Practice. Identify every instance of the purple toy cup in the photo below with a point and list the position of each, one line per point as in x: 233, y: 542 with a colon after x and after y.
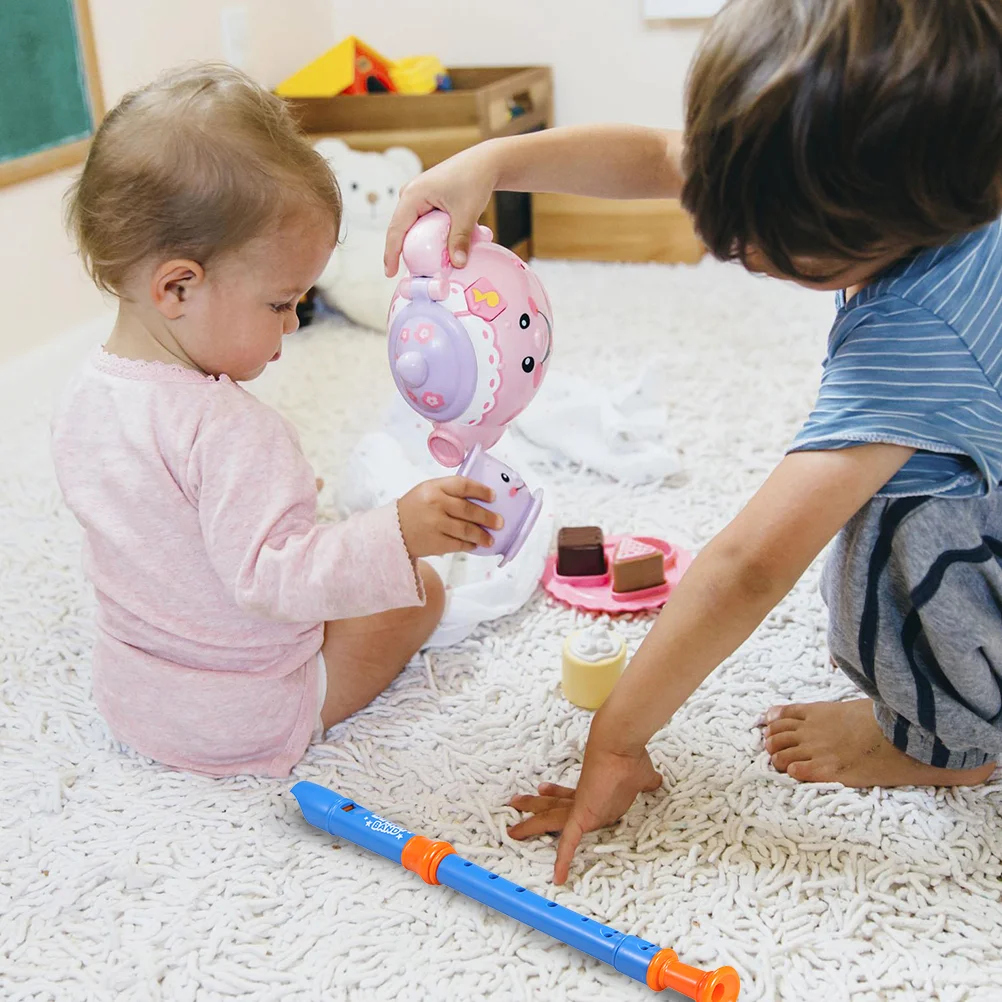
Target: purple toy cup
x: 513, y: 502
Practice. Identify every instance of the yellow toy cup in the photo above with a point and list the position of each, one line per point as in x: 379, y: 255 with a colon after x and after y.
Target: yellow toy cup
x: 593, y: 660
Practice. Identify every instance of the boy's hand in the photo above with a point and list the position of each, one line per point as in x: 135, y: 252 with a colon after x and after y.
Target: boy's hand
x: 610, y: 782
x: 461, y: 186
x: 439, y: 516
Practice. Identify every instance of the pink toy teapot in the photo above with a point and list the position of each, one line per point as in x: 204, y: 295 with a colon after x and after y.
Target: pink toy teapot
x: 468, y: 349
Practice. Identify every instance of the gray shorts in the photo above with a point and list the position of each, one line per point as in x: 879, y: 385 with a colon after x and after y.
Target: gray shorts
x: 914, y: 594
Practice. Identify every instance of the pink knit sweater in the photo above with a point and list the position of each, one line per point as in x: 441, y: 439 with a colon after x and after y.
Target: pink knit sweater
x: 213, y: 579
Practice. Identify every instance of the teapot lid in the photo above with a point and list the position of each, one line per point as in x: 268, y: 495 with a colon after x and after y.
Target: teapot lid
x: 432, y: 360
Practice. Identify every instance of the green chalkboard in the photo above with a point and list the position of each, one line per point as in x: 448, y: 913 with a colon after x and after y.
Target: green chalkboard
x: 44, y: 99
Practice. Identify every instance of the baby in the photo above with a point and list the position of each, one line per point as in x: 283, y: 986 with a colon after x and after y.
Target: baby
x: 231, y: 627
x: 849, y: 145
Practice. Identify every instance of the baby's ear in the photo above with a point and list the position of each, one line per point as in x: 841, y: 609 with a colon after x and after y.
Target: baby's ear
x: 407, y: 160
x: 332, y: 150
x: 172, y: 285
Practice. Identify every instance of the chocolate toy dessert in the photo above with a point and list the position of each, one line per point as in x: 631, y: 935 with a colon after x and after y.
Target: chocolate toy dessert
x: 581, y: 552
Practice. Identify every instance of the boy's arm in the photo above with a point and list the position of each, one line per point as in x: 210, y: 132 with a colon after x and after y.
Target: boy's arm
x: 613, y: 161
x: 743, y: 573
x: 608, y: 161
x: 730, y: 588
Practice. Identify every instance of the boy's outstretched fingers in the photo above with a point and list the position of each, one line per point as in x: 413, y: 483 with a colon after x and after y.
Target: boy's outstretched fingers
x: 546, y: 820
x: 570, y: 839
x: 553, y: 813
x: 610, y: 782
x: 550, y: 811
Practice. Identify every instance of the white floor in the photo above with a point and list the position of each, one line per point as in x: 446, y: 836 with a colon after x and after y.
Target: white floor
x: 120, y: 880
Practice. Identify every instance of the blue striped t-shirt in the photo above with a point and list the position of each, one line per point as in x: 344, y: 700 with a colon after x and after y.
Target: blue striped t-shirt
x: 916, y: 359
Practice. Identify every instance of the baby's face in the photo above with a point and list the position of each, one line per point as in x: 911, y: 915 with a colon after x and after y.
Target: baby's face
x: 248, y: 302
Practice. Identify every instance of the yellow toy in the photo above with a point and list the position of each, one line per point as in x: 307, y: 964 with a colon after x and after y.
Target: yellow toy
x: 594, y: 658
x: 418, y: 74
x: 351, y: 67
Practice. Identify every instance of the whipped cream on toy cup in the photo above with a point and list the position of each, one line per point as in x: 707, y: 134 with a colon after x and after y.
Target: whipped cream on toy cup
x: 595, y: 644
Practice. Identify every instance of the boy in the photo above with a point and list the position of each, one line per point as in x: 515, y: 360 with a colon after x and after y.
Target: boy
x: 856, y: 146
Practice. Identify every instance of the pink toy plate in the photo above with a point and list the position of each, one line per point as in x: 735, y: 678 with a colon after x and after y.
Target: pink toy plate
x: 596, y: 594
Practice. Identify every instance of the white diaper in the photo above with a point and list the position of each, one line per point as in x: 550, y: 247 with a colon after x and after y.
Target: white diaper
x: 318, y: 731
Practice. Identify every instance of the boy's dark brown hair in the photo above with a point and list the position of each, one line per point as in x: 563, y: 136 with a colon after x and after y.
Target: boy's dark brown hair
x: 194, y: 165
x: 844, y: 129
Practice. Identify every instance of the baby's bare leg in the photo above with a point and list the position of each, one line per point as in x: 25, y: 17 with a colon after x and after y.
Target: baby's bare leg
x: 365, y: 655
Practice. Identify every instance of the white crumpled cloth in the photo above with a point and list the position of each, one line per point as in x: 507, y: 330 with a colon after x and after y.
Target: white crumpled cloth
x: 622, y: 433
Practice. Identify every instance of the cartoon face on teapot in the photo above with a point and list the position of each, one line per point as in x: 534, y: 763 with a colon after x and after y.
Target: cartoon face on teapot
x: 468, y: 347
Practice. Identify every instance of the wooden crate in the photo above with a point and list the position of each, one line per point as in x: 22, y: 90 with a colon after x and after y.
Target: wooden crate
x: 482, y: 100
x: 437, y: 126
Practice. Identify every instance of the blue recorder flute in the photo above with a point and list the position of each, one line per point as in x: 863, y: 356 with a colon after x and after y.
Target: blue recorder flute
x: 436, y: 862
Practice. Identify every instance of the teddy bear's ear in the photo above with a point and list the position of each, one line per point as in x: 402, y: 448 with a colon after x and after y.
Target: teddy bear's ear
x: 332, y: 150
x: 404, y: 158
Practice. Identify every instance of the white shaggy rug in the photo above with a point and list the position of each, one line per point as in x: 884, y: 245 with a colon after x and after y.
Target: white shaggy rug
x: 121, y: 880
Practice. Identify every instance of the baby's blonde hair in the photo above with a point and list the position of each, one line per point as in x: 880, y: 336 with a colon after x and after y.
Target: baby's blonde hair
x: 194, y: 165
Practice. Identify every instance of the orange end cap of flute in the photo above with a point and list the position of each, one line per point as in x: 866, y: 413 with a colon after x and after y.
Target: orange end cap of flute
x: 667, y: 971
x: 422, y: 855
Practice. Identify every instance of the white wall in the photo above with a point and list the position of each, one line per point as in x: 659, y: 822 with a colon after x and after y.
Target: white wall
x: 610, y: 65
x: 42, y: 284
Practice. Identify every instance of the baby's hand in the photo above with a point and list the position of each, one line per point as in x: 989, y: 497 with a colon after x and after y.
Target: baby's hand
x: 439, y: 516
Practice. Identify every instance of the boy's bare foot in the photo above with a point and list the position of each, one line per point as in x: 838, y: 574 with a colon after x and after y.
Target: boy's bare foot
x: 842, y: 743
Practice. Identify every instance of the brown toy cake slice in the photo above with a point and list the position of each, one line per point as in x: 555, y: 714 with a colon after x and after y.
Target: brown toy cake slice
x: 581, y: 552
x: 637, y: 566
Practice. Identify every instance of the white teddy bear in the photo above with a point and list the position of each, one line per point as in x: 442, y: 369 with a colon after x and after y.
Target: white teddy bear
x: 353, y: 280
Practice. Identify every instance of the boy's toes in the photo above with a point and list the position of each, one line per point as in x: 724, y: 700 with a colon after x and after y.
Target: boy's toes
x: 781, y: 741
x: 785, y: 725
x: 813, y: 770
x: 782, y: 760
x: 791, y: 711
